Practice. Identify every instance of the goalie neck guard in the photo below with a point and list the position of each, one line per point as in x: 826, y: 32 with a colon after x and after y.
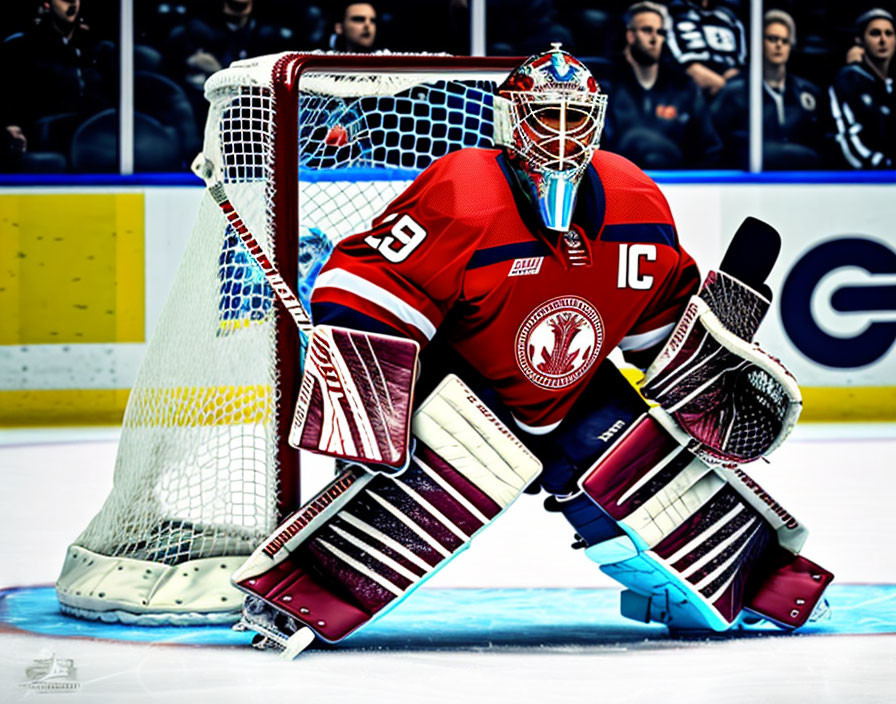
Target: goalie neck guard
x: 549, y: 114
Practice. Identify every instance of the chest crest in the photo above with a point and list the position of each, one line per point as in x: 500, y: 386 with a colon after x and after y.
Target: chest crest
x: 559, y: 341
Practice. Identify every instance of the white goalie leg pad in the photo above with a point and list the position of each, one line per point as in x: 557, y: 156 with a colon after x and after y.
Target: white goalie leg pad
x: 790, y: 533
x: 333, y: 568
x: 735, y: 399
x: 701, y: 543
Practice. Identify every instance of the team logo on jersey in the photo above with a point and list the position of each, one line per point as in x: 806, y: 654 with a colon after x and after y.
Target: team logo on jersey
x: 526, y: 266
x: 559, y: 342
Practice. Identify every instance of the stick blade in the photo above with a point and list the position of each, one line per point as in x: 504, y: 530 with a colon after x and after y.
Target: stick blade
x: 752, y: 254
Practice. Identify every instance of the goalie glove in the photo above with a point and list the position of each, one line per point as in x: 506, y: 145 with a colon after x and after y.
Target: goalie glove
x: 736, y: 400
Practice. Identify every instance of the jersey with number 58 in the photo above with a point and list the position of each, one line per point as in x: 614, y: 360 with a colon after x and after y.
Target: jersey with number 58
x: 462, y: 252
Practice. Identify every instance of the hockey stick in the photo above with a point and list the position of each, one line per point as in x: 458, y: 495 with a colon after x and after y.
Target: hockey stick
x: 206, y: 171
x: 334, y: 366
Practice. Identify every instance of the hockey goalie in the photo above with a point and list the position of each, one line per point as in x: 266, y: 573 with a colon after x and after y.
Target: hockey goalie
x: 514, y: 272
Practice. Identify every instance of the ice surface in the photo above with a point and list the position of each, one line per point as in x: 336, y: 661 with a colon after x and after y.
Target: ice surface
x: 836, y: 479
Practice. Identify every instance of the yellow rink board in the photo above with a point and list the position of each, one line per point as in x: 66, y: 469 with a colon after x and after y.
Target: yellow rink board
x: 72, y: 268
x: 106, y: 407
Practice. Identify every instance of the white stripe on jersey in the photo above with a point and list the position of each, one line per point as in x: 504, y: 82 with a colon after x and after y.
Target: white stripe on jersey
x: 645, y: 340
x: 352, y: 283
x: 842, y: 129
x: 536, y: 429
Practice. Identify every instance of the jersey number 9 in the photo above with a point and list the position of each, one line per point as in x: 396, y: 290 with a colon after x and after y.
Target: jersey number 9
x: 405, y: 236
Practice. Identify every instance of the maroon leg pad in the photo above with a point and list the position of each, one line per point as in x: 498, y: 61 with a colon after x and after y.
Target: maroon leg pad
x: 787, y: 593
x: 387, y: 537
x: 301, y: 594
x: 644, y: 446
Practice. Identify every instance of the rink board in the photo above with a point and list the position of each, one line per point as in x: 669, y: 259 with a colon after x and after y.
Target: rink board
x: 465, y: 619
x: 78, y: 310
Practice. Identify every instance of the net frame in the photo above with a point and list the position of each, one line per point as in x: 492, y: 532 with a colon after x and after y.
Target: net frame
x: 168, y: 591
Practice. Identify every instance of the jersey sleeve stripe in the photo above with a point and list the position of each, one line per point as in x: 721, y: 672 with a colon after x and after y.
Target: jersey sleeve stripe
x: 353, y: 284
x: 660, y: 233
x: 645, y: 340
x: 335, y: 306
x: 337, y: 314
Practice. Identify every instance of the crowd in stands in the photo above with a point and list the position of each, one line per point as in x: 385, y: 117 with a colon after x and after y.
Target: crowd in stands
x: 676, y: 72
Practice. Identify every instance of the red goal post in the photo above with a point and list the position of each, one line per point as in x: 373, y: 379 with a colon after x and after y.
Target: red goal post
x: 309, y: 148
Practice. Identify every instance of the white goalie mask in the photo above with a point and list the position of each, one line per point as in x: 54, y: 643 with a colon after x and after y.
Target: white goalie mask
x: 549, y: 114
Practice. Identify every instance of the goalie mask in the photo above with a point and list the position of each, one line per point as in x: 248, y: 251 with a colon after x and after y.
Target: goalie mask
x: 549, y: 114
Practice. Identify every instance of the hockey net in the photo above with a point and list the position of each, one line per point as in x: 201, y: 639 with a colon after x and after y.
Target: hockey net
x: 309, y: 148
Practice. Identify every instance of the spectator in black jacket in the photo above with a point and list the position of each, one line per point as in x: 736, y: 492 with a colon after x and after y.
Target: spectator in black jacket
x: 708, y: 40
x: 863, y: 101
x: 227, y: 32
x: 791, y: 135
x: 657, y: 116
x: 52, y: 77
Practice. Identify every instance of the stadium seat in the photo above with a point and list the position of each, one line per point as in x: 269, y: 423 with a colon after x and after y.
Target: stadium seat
x: 95, y: 145
x: 165, y: 101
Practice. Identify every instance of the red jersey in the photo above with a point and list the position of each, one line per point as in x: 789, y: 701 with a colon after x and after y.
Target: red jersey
x: 534, y: 311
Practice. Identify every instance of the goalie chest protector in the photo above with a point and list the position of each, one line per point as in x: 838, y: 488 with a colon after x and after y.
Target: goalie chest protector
x: 533, y: 311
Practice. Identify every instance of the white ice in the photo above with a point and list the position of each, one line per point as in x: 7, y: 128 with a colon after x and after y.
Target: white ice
x: 837, y: 479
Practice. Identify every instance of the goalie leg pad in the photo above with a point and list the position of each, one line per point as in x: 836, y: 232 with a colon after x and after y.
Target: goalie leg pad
x: 696, y: 550
x: 388, y: 533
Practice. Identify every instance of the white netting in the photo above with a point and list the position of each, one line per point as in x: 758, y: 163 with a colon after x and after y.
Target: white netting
x: 197, y: 473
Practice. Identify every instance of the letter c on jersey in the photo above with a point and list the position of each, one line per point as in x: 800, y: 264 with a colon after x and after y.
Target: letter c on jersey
x: 628, y: 274
x: 838, y: 303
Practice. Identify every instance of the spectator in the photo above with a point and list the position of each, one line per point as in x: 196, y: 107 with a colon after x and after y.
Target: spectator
x: 59, y: 55
x: 863, y: 103
x: 657, y: 116
x: 791, y: 136
x: 355, y: 30
x: 227, y: 32
x: 708, y: 40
